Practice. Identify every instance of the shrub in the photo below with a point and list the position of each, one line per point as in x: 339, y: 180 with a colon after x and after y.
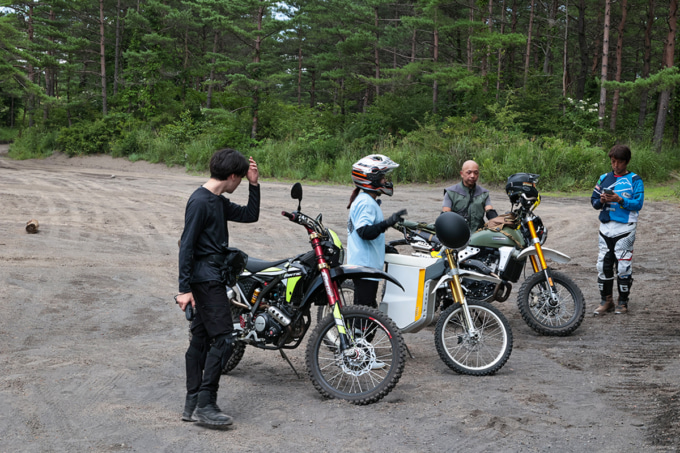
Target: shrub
x: 33, y: 143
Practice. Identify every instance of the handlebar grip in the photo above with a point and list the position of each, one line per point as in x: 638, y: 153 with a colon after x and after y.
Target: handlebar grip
x: 288, y: 214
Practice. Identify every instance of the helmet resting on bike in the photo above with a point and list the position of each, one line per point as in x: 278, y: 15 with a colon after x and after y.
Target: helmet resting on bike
x: 522, y: 184
x: 369, y: 173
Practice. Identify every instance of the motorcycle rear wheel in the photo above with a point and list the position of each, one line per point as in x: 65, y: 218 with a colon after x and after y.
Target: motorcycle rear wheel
x: 239, y: 346
x: 372, y: 372
x: 534, y: 303
x: 236, y: 311
x: 480, y: 355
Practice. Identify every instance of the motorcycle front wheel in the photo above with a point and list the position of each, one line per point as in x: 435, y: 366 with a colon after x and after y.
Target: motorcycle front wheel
x: 479, y: 353
x: 367, y: 371
x: 547, y: 316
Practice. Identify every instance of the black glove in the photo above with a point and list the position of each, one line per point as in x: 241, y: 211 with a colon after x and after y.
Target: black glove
x: 491, y: 214
x: 369, y: 232
x: 396, y: 217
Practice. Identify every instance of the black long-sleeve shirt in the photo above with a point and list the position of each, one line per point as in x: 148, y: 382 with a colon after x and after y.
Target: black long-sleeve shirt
x: 205, y: 230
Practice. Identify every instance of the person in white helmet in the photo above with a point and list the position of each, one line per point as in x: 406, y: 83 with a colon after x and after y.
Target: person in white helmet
x: 366, y: 225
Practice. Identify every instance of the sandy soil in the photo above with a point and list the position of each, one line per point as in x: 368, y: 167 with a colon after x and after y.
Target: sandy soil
x: 92, y: 344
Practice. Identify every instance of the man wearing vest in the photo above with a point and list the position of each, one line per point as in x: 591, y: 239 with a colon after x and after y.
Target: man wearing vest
x: 469, y: 199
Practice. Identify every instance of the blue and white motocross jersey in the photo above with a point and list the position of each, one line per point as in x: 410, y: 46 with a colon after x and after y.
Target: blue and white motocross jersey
x: 632, y: 191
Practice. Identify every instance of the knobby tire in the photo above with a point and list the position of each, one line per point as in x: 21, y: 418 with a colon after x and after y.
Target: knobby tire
x: 533, y: 301
x: 480, y: 356
x: 364, y: 379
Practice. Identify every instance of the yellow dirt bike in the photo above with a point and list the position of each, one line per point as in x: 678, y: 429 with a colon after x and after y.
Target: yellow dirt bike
x: 495, y: 257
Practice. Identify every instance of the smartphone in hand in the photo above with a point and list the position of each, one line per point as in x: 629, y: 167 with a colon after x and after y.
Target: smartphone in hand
x: 608, y: 191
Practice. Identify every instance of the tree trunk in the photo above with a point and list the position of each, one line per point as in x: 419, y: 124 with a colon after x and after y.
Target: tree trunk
x: 470, y: 32
x: 528, y: 53
x: 256, y: 60
x: 646, y: 64
x: 376, y: 52
x: 486, y: 63
x: 605, y: 62
x: 435, y: 58
x: 102, y: 55
x: 619, y: 63
x: 208, y: 101
x: 31, y: 72
x: 598, y: 42
x: 116, y: 53
x: 299, y: 81
x: 500, y: 55
x: 583, y: 51
x: 547, y: 55
x: 413, y: 50
x: 668, y: 55
x: 510, y: 73
x: 565, y: 67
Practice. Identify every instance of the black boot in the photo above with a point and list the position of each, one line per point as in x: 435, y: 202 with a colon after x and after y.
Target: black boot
x: 189, y: 407
x: 208, y: 413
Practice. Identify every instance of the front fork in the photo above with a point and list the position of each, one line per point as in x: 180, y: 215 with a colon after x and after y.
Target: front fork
x: 538, y: 262
x: 457, y: 290
x: 332, y: 295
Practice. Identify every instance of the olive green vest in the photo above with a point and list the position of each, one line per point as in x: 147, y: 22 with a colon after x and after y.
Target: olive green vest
x: 470, y: 207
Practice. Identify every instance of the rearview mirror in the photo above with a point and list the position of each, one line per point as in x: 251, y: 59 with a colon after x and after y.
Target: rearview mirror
x: 296, y: 191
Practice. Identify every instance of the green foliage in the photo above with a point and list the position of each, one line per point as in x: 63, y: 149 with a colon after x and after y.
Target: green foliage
x: 8, y: 134
x: 93, y: 137
x: 33, y: 143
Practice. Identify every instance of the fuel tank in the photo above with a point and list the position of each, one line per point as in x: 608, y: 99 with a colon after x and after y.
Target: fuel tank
x: 495, y: 239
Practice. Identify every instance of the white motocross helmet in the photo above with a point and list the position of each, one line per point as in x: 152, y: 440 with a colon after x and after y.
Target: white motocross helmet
x: 368, y: 173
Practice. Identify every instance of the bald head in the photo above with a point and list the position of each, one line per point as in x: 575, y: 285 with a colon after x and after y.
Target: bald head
x: 469, y: 173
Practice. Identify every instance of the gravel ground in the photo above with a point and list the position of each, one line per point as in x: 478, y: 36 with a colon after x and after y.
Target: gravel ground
x: 92, y: 345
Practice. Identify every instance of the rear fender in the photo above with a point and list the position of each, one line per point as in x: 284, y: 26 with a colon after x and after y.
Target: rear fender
x: 347, y: 272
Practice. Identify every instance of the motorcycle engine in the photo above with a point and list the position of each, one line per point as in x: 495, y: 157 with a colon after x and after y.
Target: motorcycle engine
x: 271, y: 322
x: 487, y: 259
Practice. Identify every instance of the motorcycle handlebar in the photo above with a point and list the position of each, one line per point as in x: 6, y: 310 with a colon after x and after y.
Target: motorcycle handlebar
x: 290, y: 216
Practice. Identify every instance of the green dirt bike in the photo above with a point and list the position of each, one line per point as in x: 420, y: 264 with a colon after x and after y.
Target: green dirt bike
x: 495, y: 257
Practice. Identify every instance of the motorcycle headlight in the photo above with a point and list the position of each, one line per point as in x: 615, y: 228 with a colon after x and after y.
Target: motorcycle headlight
x: 541, y: 230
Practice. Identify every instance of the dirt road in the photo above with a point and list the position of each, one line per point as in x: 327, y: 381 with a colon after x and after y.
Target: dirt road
x: 92, y: 344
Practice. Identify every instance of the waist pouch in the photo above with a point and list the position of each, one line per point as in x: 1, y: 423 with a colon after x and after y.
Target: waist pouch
x: 230, y: 263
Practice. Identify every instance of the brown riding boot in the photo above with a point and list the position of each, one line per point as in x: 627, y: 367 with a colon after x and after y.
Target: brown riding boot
x: 622, y: 308
x: 605, y: 306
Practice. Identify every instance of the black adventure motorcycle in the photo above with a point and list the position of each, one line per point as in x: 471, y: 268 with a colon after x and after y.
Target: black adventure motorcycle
x: 355, y: 353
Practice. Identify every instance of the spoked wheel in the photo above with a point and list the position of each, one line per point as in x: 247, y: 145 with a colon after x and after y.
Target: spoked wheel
x: 478, y: 353
x: 548, y: 316
x: 369, y: 369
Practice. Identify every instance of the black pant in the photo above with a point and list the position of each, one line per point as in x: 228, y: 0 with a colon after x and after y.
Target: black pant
x: 365, y: 292
x: 212, y: 322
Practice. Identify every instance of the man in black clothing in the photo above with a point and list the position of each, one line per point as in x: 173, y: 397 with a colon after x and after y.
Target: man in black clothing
x: 200, y: 280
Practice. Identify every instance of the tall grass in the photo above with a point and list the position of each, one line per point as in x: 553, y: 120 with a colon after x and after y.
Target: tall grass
x: 432, y: 153
x: 33, y: 143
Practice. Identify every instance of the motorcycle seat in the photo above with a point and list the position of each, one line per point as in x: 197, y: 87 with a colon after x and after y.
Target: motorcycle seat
x: 255, y: 265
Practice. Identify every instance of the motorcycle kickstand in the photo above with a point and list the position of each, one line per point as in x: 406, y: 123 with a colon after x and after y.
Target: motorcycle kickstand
x: 408, y: 351
x: 283, y: 354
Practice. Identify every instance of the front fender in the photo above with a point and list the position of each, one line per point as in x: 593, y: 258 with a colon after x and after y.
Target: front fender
x: 348, y: 272
x: 554, y: 255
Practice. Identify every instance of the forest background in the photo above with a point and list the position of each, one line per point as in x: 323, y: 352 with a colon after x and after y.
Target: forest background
x: 309, y: 86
